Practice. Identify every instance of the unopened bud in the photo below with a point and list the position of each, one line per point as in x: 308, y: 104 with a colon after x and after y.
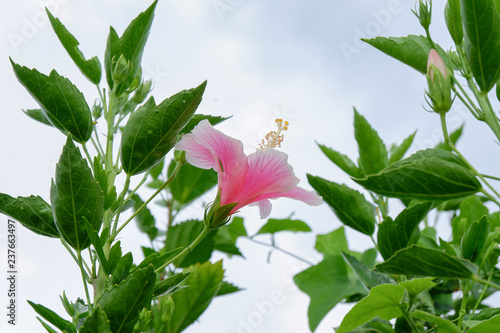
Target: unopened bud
x: 97, y: 109
x: 439, y: 83
x: 142, y: 91
x: 217, y: 215
x: 423, y: 13
x: 122, y: 69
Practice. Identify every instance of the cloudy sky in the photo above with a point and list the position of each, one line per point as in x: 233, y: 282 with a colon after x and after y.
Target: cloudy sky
x: 298, y: 60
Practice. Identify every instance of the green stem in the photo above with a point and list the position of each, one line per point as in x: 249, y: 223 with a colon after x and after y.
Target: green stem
x: 282, y: 250
x: 84, y: 279
x: 483, y: 292
x: 490, y: 177
x: 409, y: 320
x: 121, y: 199
x: 169, y: 180
x: 486, y: 282
x: 463, y: 305
x: 187, y: 249
x: 489, y: 114
x: 143, y: 180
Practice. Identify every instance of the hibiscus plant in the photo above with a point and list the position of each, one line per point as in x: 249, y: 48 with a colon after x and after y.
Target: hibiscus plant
x: 411, y: 280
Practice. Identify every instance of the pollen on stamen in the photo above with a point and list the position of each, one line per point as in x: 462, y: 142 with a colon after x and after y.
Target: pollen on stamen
x: 274, y: 139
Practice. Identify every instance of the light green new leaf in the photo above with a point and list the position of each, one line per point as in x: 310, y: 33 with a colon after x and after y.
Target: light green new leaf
x: 482, y: 41
x: 383, y: 302
x: 75, y: 195
x: 372, y: 150
x: 273, y: 226
x: 327, y: 284
x: 97, y: 322
x: 151, y: 132
x: 32, y: 212
x: 420, y: 261
x: 123, y: 302
x: 53, y: 318
x: 443, y: 325
x: 471, y: 209
x: 62, y: 103
x: 332, y: 243
x: 398, y: 152
x: 491, y: 325
x: 349, y: 205
x: 453, y: 20
x: 204, y: 282
x: 432, y: 174
x: 417, y: 286
x: 90, y: 68
x: 341, y: 160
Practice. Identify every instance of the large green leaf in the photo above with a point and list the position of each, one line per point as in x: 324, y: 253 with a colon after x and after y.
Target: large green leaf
x: 273, y: 226
x: 475, y: 238
x: 383, y: 302
x: 482, y: 40
x: 453, y: 20
x: 398, y: 151
x: 62, y: 103
x: 411, y: 50
x: 123, y: 302
x: 32, y: 212
x: 53, y: 318
x: 204, y: 282
x: 97, y: 322
x: 130, y: 44
x: 349, y: 205
x: 327, y: 284
x: 395, y: 235
x: 432, y: 174
x: 75, y: 195
x: 420, y: 261
x: 90, y: 68
x: 372, y: 150
x: 332, y: 243
x: 151, y: 132
x: 341, y: 160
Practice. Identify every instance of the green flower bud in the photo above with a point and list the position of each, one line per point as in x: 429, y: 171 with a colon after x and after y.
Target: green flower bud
x: 439, y: 83
x: 142, y: 91
x: 121, y: 70
x: 216, y: 215
x: 424, y: 13
x: 97, y: 109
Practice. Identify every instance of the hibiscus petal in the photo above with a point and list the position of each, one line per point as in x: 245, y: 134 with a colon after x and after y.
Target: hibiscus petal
x: 265, y: 207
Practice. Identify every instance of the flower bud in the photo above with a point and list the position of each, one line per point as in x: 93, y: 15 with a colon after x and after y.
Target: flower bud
x: 142, y: 91
x: 216, y: 215
x: 424, y: 13
x: 439, y: 83
x: 121, y: 70
x: 97, y: 109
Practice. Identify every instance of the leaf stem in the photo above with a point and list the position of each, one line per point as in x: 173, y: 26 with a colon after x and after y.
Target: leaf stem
x: 84, y: 279
x: 121, y: 199
x: 282, y: 250
x: 486, y: 282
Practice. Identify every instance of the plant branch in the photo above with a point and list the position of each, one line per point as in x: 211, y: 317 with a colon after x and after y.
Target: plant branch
x: 282, y: 250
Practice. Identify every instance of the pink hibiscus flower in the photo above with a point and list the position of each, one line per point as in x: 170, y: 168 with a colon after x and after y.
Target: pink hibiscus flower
x: 243, y: 180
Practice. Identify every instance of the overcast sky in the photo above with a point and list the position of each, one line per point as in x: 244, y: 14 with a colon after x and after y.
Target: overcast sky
x: 297, y: 60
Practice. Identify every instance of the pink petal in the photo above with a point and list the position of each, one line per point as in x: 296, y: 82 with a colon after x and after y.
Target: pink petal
x: 436, y: 60
x: 265, y: 207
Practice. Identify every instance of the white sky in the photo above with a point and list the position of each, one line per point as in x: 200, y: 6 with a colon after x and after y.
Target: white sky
x: 262, y: 59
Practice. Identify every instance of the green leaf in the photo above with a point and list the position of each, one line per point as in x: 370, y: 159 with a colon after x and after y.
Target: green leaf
x: 90, y: 68
x: 115, y: 255
x: 372, y: 150
x: 471, y: 209
x: 169, y: 285
x: 395, y: 235
x: 213, y: 120
x: 420, y: 261
x: 227, y: 288
x: 53, y: 318
x: 327, y: 284
x: 383, y: 302
x: 368, y: 278
x: 333, y: 243
x: 398, y: 152
x: 62, y: 103
x: 123, y: 302
x: 225, y: 239
x: 96, y: 242
x: 122, y: 268
x: 204, y: 282
x: 130, y: 44
x: 151, y: 132
x: 182, y: 235
x: 32, y: 212
x: 349, y: 205
x: 38, y: 115
x: 75, y: 195
x: 491, y: 325
x: 341, y: 160
x: 475, y: 238
x: 411, y: 50
x: 191, y: 183
x: 454, y: 136
x: 145, y: 220
x: 417, y: 286
x: 454, y: 21
x: 97, y: 322
x: 443, y: 325
x: 46, y: 326
x: 273, y: 226
x: 482, y: 41
x: 431, y: 174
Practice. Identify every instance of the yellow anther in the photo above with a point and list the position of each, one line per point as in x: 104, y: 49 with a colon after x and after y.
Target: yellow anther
x: 274, y: 139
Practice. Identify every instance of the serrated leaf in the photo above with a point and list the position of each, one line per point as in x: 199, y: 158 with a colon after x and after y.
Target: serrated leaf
x: 372, y: 150
x: 417, y: 286
x: 349, y: 205
x: 395, y: 235
x: 273, y: 226
x: 115, y: 255
x: 420, y: 261
x: 411, y: 50
x: 471, y: 209
x: 443, y: 325
x: 454, y: 136
x: 53, y: 318
x: 213, y: 120
x: 97, y: 322
x: 368, y: 278
x: 332, y: 243
x: 383, y: 302
x: 491, y: 325
x: 182, y: 235
x: 327, y: 284
x: 482, y: 41
x: 227, y: 288
x: 398, y: 152
x: 474, y: 239
x: 62, y: 103
x: 38, y: 115
x: 75, y: 195
x: 151, y: 132
x: 341, y: 160
x: 32, y: 212
x: 168, y: 285
x: 453, y: 20
x: 130, y: 44
x: 432, y: 174
x: 204, y: 282
x: 123, y: 302
x: 90, y: 68
x: 145, y: 220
